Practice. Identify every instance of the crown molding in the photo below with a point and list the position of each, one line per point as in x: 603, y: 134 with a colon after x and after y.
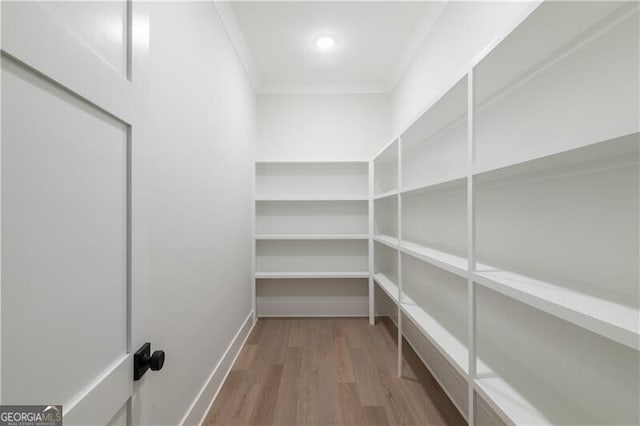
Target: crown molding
x: 420, y: 33
x: 231, y: 26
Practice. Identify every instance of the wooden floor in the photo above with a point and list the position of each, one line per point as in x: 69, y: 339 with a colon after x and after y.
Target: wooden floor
x: 320, y: 371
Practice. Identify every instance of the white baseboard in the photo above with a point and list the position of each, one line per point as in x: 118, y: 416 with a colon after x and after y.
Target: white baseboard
x: 355, y: 306
x: 204, y: 400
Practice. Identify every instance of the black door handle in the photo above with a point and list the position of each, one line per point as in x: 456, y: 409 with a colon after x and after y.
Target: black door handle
x: 143, y: 360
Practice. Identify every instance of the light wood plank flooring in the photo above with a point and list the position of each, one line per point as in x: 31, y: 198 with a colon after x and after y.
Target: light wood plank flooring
x: 316, y: 371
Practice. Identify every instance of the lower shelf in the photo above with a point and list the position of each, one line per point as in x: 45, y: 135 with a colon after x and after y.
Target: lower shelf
x: 614, y: 321
x: 292, y: 275
x: 535, y: 403
x: 340, y: 306
x: 387, y: 286
x: 450, y: 347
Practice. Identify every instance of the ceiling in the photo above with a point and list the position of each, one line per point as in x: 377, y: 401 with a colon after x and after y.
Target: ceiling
x: 375, y: 41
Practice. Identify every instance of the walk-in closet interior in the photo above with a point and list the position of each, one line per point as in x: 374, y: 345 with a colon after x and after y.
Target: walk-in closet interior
x: 321, y: 213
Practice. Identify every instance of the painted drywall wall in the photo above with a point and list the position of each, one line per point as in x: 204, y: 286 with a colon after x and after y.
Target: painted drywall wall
x: 463, y: 31
x: 203, y: 141
x: 321, y: 127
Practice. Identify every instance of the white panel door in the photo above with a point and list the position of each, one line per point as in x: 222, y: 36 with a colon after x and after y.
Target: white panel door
x: 72, y: 179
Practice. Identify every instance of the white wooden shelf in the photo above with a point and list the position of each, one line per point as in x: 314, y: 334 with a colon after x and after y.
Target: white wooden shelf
x: 388, y: 286
x: 614, y: 321
x: 454, y: 264
x: 530, y: 401
x: 450, y: 347
x: 304, y: 275
x: 312, y: 236
x: 322, y: 164
x: 552, y: 193
x: 444, y: 183
x: 387, y: 240
x: 386, y: 194
x: 563, y: 159
x: 440, y: 337
x: 311, y: 198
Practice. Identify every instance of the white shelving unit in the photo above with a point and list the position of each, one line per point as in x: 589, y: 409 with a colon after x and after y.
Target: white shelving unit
x: 507, y: 223
x: 311, y: 225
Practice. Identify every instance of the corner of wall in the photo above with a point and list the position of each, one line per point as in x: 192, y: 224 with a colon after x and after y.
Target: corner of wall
x: 201, y: 405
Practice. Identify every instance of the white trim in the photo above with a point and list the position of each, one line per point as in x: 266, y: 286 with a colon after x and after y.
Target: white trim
x: 339, y: 306
x: 419, y: 35
x: 104, y: 396
x: 232, y: 27
x: 203, y: 402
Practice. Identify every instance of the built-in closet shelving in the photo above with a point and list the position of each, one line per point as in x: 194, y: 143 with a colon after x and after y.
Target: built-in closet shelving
x: 311, y: 222
x: 506, y: 223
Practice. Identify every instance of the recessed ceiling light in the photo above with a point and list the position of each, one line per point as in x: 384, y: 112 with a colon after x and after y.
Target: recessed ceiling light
x: 325, y: 43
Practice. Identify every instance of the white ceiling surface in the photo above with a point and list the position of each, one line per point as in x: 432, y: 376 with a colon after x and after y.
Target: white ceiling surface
x: 375, y: 41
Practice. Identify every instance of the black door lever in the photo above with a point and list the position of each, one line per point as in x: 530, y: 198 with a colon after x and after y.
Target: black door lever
x: 143, y: 360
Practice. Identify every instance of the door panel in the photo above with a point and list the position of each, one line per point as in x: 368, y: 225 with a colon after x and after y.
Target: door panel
x: 64, y: 239
x: 102, y: 25
x: 73, y: 240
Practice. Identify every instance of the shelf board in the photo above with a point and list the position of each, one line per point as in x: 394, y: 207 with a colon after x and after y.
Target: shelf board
x: 386, y: 194
x: 389, y: 153
x: 614, y: 321
x: 302, y: 275
x: 452, y: 182
x: 311, y: 198
x: 450, y: 347
x: 387, y: 240
x: 454, y: 264
x: 559, y: 158
x: 313, y: 163
x: 312, y: 236
x: 387, y: 286
x: 531, y: 401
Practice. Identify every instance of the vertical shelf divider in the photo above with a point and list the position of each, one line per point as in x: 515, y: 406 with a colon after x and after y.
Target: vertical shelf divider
x: 372, y: 302
x: 254, y: 296
x: 399, y: 253
x: 471, y: 250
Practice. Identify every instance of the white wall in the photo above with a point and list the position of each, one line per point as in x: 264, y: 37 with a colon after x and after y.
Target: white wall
x: 463, y: 30
x: 203, y: 141
x: 321, y: 127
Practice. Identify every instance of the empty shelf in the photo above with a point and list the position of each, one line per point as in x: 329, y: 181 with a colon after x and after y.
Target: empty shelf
x: 387, y: 240
x: 300, y: 275
x: 387, y: 286
x: 386, y: 194
x: 529, y: 400
x: 311, y: 198
x: 312, y: 236
x: 454, y: 181
x: 454, y: 264
x: 452, y: 349
x: 614, y: 321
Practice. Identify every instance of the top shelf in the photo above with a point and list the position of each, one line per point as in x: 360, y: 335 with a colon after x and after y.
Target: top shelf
x: 319, y: 181
x: 311, y: 163
x: 311, y: 198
